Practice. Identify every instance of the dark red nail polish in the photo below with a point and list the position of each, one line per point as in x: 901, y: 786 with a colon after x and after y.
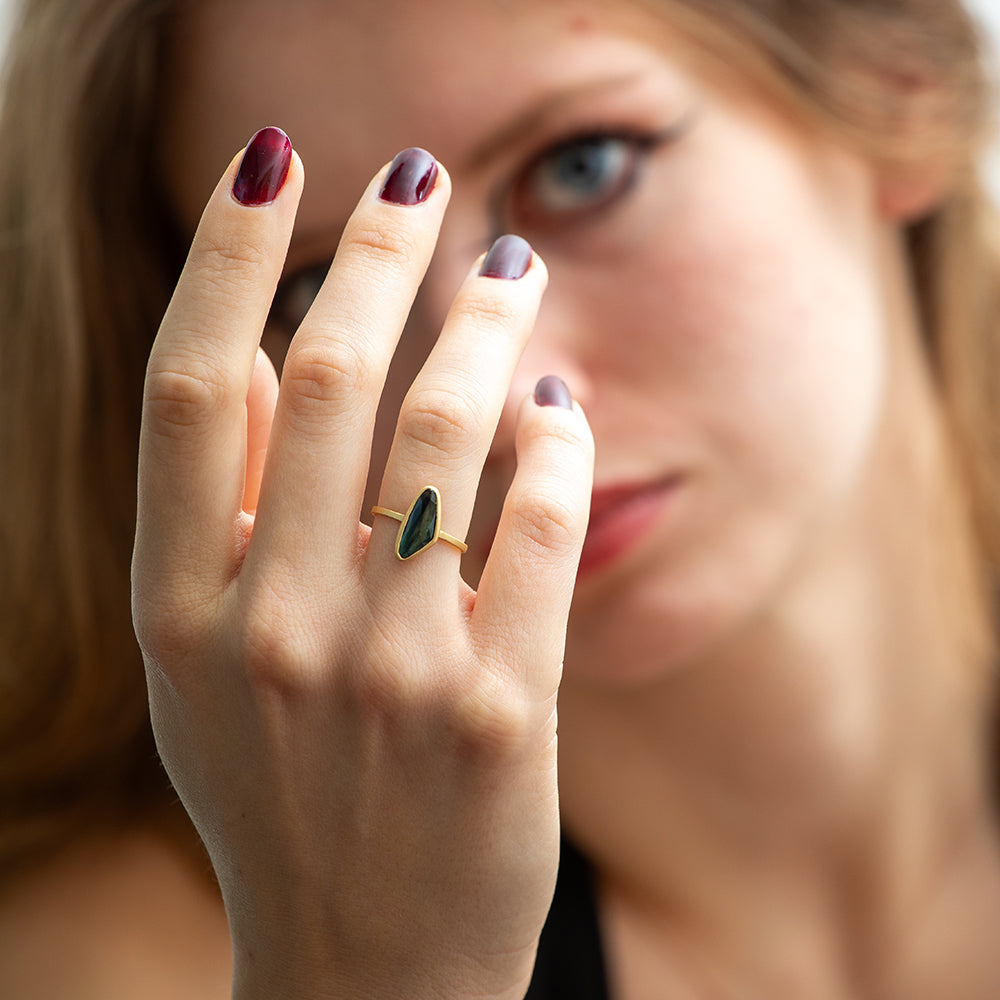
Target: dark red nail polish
x: 263, y: 168
x: 410, y: 178
x: 552, y: 391
x: 508, y: 258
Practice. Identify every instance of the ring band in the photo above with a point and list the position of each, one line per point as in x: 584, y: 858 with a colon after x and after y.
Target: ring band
x: 420, y: 526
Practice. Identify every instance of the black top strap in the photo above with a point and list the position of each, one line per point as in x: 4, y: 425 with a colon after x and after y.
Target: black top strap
x: 570, y: 963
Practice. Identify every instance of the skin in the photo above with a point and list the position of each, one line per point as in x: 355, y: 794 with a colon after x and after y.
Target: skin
x: 771, y: 731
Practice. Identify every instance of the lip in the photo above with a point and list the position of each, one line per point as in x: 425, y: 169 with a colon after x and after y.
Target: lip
x: 621, y: 517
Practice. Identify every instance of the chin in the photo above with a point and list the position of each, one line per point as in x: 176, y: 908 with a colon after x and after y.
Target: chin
x: 637, y: 636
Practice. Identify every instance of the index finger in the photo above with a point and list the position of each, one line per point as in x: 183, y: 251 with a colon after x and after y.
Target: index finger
x: 193, y: 437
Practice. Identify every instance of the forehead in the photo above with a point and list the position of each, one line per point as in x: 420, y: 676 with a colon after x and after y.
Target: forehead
x: 352, y: 81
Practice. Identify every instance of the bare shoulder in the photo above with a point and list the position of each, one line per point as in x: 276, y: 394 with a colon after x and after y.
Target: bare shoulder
x: 127, y: 916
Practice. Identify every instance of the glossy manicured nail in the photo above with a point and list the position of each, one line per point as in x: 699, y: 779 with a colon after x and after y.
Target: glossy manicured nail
x: 552, y: 391
x: 509, y: 258
x: 263, y: 168
x: 410, y: 178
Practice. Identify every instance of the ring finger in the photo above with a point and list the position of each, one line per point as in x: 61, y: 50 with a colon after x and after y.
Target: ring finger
x: 449, y: 416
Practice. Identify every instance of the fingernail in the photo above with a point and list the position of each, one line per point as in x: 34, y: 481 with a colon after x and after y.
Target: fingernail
x: 263, y: 168
x: 410, y: 178
x: 552, y: 391
x: 508, y: 258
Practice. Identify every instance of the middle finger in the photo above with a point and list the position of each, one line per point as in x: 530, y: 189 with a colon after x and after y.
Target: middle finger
x: 449, y: 417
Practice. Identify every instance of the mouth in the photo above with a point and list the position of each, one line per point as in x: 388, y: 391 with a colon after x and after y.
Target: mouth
x: 621, y: 518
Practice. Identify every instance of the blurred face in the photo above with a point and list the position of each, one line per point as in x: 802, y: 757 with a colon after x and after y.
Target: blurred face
x: 717, y: 275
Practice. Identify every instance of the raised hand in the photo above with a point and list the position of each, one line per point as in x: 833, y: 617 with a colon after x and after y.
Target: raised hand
x: 366, y: 746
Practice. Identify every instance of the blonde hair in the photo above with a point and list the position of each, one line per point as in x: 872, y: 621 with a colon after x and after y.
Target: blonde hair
x: 86, y: 253
x: 89, y: 252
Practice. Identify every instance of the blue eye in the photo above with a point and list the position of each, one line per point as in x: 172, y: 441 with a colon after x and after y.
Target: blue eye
x: 577, y: 179
x: 295, y: 295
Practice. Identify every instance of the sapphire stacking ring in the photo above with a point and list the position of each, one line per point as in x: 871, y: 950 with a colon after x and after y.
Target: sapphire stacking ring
x: 420, y: 526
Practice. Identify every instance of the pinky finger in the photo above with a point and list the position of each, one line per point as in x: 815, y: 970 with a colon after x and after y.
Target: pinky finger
x: 524, y: 596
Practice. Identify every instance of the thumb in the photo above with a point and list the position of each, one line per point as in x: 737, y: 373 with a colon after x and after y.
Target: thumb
x: 262, y: 397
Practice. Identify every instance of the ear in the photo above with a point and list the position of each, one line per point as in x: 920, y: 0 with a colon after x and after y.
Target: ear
x: 907, y: 193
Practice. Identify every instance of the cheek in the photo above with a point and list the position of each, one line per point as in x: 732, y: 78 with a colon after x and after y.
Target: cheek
x: 762, y: 339
x: 761, y: 373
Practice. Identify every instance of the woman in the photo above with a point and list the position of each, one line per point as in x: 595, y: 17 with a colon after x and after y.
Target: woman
x: 772, y: 295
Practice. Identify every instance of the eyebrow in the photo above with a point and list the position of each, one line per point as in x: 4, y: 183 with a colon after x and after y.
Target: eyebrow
x: 539, y: 112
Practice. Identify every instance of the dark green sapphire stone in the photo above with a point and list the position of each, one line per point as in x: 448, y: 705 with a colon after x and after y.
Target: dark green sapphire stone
x: 421, y: 526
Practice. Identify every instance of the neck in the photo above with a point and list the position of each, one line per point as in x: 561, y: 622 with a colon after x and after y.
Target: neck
x: 793, y: 793
x: 823, y: 780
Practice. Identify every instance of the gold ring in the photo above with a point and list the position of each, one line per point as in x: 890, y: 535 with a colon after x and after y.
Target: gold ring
x: 420, y: 526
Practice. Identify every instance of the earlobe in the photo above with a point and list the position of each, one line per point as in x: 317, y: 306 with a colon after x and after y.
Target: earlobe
x: 909, y: 193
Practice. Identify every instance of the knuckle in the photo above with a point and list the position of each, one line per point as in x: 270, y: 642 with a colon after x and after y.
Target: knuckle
x: 222, y: 256
x: 482, y: 310
x: 178, y: 399
x: 270, y: 659
x: 380, y: 683
x: 440, y: 421
x: 170, y: 627
x: 154, y: 626
x: 473, y: 714
x: 547, y: 524
x: 491, y: 720
x: 283, y: 637
x: 268, y: 643
x: 223, y: 268
x: 331, y: 374
x: 558, y: 436
x: 377, y: 247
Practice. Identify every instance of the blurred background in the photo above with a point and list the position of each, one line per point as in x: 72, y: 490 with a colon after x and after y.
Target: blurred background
x: 988, y: 12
